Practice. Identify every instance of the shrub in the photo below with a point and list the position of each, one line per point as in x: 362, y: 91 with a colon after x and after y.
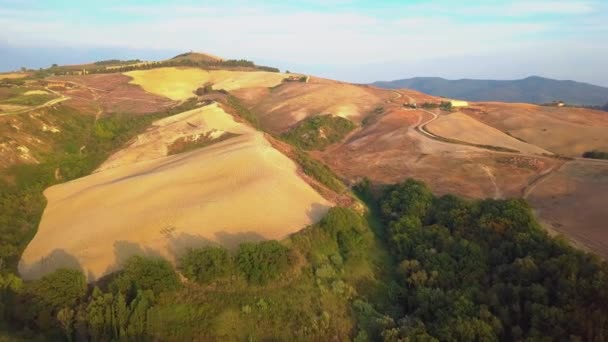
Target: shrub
x: 243, y: 112
x: 317, y: 132
x: 140, y: 273
x: 264, y: 261
x: 62, y: 288
x: 318, y: 171
x: 204, y: 265
x: 595, y: 154
x: 410, y: 198
x: 347, y: 228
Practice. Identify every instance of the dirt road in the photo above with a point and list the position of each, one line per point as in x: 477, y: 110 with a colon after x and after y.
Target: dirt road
x: 52, y: 102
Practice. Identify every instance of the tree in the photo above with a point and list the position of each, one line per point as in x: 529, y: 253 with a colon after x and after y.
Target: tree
x: 65, y: 317
x: 62, y: 288
x: 140, y: 273
x: 410, y: 198
x: 264, y: 261
x: 204, y: 265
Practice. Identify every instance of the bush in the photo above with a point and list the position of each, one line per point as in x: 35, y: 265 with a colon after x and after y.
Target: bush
x: 264, y: 261
x: 30, y: 100
x: 318, y: 171
x: 204, y: 265
x: 410, y: 198
x: 140, y: 273
x: 243, y: 112
x: 62, y: 288
x: 317, y: 132
x: 595, y: 154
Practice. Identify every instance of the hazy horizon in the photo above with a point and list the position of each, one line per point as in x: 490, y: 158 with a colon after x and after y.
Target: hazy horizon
x: 355, y: 41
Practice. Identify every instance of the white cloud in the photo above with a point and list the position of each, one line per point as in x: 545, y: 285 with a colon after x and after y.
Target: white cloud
x: 409, y: 34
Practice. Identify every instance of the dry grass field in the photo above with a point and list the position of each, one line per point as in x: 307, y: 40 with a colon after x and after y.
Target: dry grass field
x: 462, y: 127
x: 282, y: 107
x: 240, y: 189
x: 180, y: 83
x: 111, y: 93
x: 13, y: 75
x: 566, y: 131
x: 572, y: 201
x: 391, y: 150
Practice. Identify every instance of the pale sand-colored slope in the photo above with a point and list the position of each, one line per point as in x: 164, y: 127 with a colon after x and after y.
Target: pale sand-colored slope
x: 180, y: 83
x: 461, y: 127
x: 240, y: 189
x: 154, y: 143
x: 35, y: 92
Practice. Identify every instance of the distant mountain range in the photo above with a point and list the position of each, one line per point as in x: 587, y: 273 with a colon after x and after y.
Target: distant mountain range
x: 532, y: 89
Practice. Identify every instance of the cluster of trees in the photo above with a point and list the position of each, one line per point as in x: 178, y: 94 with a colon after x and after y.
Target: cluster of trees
x: 259, y: 263
x: 444, y: 105
x: 61, y: 304
x: 100, y: 67
x: 115, y: 62
x: 317, y: 132
x: 595, y: 154
x: 485, y: 271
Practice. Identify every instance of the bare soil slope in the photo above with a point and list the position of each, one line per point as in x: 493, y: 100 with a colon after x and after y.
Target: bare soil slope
x: 240, y: 189
x: 572, y: 201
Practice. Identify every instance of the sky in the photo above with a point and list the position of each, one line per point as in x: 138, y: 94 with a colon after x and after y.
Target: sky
x: 356, y: 41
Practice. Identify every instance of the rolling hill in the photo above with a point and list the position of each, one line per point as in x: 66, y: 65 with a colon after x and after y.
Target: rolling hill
x: 197, y: 197
x: 532, y: 89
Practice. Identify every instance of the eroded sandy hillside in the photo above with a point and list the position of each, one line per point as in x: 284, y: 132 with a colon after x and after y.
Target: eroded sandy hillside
x: 236, y: 190
x: 180, y: 83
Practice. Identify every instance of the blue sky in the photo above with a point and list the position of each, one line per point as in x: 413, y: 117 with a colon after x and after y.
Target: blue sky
x: 358, y: 41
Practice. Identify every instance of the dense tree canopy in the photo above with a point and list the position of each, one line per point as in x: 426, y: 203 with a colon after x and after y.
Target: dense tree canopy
x: 485, y: 270
x: 206, y: 264
x: 141, y: 273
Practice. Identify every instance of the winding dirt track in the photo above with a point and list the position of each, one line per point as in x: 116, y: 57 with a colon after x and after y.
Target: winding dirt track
x: 52, y: 102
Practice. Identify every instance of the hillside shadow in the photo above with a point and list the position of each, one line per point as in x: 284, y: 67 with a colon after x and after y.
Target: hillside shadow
x: 123, y: 250
x: 316, y: 212
x: 55, y: 260
x: 233, y: 240
x: 180, y: 243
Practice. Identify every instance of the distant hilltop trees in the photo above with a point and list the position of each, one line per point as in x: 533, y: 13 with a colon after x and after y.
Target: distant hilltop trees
x: 115, y: 62
x: 183, y: 60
